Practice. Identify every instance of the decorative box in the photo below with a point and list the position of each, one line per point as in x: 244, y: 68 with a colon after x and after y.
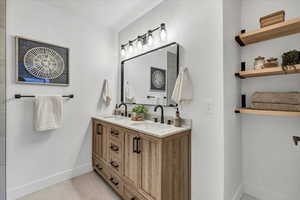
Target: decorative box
x: 282, y: 101
x: 273, y: 18
x: 271, y: 62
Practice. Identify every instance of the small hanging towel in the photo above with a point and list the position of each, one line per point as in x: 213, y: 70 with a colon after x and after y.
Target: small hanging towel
x: 129, y: 93
x: 183, y: 90
x: 106, y: 95
x: 48, y: 113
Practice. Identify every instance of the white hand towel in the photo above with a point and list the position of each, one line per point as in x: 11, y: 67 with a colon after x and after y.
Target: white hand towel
x: 183, y: 91
x: 129, y: 93
x: 106, y: 95
x: 48, y: 113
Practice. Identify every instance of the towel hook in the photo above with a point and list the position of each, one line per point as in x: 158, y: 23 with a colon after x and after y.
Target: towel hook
x: 296, y: 140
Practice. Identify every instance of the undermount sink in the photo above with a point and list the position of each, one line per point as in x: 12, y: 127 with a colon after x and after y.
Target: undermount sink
x: 149, y: 126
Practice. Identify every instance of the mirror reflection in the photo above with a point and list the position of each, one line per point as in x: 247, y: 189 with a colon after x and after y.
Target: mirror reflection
x: 150, y: 78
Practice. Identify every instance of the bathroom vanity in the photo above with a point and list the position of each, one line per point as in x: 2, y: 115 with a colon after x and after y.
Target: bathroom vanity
x: 142, y: 160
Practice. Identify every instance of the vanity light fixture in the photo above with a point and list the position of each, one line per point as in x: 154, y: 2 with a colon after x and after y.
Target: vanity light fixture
x: 163, y: 32
x: 140, y: 42
x: 150, y: 38
x: 123, y: 50
x: 144, y: 39
x: 130, y: 48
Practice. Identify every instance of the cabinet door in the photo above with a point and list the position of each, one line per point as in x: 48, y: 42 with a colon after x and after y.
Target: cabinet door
x: 100, y: 140
x: 131, y: 158
x: 150, y: 167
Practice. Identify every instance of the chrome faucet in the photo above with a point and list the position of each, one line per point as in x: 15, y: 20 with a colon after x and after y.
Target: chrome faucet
x: 162, y: 118
x: 124, y: 104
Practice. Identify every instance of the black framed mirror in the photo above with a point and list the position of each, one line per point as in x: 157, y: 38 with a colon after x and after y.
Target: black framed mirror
x: 149, y: 78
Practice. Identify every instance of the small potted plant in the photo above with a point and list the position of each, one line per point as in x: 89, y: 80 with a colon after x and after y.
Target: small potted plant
x: 138, y: 113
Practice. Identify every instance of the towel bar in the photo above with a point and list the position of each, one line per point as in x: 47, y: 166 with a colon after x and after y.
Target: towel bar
x: 19, y: 96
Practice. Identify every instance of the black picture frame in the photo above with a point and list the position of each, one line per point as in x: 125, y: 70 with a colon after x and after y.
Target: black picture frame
x: 154, y: 86
x: 23, y: 76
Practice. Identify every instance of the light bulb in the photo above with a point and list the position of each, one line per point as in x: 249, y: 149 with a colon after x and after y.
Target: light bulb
x: 150, y: 38
x: 123, y: 51
x: 139, y: 42
x: 130, y: 48
x: 163, y: 32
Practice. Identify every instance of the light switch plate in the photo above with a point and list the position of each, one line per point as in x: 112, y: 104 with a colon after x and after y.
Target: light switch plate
x: 209, y: 106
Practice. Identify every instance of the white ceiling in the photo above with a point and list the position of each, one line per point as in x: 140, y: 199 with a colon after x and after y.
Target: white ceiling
x: 113, y: 13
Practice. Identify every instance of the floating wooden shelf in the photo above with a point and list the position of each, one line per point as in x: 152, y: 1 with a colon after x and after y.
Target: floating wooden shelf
x: 269, y: 72
x: 270, y: 32
x: 267, y: 112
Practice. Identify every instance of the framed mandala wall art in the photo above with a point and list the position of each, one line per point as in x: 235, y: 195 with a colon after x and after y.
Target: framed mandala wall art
x: 41, y: 63
x: 158, y: 79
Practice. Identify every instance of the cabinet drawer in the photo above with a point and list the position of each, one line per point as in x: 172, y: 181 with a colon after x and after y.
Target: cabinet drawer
x: 129, y: 194
x: 100, y: 167
x: 115, y: 148
x: 115, y: 163
x: 116, y: 134
x: 116, y: 182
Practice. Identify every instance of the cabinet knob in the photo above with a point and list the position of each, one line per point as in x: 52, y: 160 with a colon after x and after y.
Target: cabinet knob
x: 113, y: 181
x: 114, y: 148
x: 115, y: 165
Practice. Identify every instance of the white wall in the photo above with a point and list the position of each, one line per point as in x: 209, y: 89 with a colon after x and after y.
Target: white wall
x: 271, y: 162
x: 2, y: 100
x: 232, y: 122
x: 34, y: 159
x: 197, y: 26
x: 232, y: 89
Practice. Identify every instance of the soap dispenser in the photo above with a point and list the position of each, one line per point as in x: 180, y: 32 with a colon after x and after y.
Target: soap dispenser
x: 116, y: 110
x: 177, y: 120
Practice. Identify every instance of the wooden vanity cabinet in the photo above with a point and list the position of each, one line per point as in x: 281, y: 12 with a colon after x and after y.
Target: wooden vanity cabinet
x: 149, y: 168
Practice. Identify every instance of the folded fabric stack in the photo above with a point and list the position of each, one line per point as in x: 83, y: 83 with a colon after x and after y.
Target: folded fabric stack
x: 282, y: 101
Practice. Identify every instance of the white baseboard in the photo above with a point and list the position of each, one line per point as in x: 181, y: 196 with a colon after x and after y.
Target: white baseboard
x: 15, y: 193
x: 239, y: 193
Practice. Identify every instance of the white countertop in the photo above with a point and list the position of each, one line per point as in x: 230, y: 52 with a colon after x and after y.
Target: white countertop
x: 147, y: 127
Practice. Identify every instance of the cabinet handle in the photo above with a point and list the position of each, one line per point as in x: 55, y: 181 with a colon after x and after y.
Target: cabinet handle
x: 99, y: 129
x: 114, y: 148
x: 134, y: 145
x: 115, y: 165
x: 138, y: 144
x: 113, y: 181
